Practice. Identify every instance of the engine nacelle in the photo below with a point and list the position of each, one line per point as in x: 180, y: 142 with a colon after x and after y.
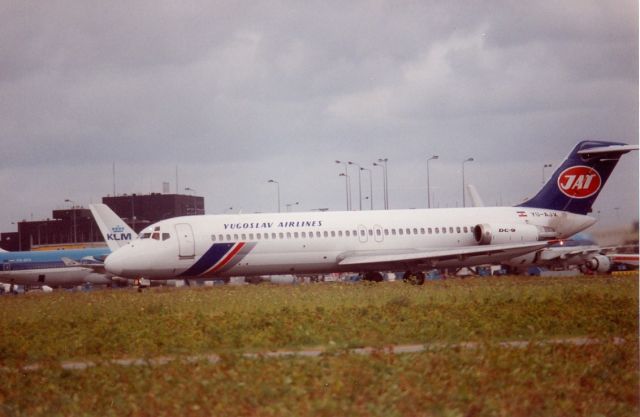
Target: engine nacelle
x: 599, y: 263
x: 486, y: 234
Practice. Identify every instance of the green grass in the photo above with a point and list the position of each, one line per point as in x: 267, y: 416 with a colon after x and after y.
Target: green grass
x: 594, y: 380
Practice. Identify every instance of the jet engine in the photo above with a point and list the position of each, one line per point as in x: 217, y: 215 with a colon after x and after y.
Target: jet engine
x: 599, y: 263
x: 486, y: 234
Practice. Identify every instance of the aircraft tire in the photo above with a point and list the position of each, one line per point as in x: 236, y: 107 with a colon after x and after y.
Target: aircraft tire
x: 413, y: 278
x: 373, y: 276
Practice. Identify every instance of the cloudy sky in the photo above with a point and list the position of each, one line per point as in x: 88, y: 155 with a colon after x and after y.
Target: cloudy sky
x: 236, y: 93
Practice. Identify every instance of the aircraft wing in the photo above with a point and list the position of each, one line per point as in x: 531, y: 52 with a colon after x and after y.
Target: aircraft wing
x: 96, y: 267
x: 417, y: 256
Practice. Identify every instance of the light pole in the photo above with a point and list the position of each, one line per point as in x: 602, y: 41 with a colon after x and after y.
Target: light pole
x: 288, y: 205
x: 463, y: 162
x: 73, y: 208
x: 382, y: 162
x: 347, y: 184
x: 428, y: 184
x: 278, y: 184
x: 359, y: 184
x: 370, y: 186
x: 348, y: 181
x: 543, y: 169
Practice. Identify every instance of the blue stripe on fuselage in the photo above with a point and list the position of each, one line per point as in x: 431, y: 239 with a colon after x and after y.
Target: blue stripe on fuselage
x: 215, y: 253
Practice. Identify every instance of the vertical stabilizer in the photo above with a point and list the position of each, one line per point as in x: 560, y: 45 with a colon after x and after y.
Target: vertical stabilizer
x: 114, y: 230
x: 575, y: 185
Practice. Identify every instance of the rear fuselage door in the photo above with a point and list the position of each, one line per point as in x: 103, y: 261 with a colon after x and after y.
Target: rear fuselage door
x: 186, y: 242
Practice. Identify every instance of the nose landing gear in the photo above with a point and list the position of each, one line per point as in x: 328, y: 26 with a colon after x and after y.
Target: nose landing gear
x: 414, y: 278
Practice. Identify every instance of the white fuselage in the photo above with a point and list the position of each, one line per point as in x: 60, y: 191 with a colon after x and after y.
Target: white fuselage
x: 316, y: 242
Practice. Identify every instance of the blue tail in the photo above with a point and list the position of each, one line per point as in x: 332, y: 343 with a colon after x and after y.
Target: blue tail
x: 575, y: 185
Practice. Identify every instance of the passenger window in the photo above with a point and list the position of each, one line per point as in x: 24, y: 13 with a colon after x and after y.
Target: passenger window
x: 408, y: 231
x: 444, y: 230
x: 422, y: 230
x: 266, y: 236
x: 235, y: 236
x: 437, y: 230
x: 311, y: 235
x: 333, y: 233
x: 430, y: 230
x: 465, y: 229
x: 451, y: 230
x: 415, y: 231
x: 228, y: 237
x: 355, y: 233
x: 393, y: 232
x: 166, y: 236
x: 273, y: 235
x: 386, y: 232
x: 370, y: 232
x: 400, y: 232
x: 458, y: 229
x: 362, y: 232
x: 339, y: 233
x: 303, y: 234
x: 259, y: 236
x: 378, y: 232
x: 295, y: 235
x: 288, y: 235
x: 325, y: 233
x: 213, y: 237
x: 318, y: 234
x: 281, y: 235
x: 244, y: 236
x: 347, y: 233
x: 220, y: 237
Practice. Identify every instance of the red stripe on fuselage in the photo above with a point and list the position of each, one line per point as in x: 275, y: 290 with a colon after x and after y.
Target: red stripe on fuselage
x: 225, y: 260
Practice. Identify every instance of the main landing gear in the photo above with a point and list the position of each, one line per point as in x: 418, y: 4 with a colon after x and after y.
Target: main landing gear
x: 373, y: 277
x: 414, y: 278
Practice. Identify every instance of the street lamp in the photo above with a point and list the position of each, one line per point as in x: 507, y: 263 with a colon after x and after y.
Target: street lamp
x: 463, y: 197
x: 385, y: 184
x: 347, y: 184
x: 359, y: 183
x: 543, y: 169
x: 73, y: 208
x: 288, y: 205
x: 278, y: 184
x: 370, y: 186
x: 428, y: 184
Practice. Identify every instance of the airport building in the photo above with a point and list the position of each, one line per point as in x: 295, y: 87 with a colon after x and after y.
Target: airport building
x: 75, y: 227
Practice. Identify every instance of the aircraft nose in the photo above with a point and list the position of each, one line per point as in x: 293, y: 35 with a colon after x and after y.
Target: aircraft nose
x: 113, y: 264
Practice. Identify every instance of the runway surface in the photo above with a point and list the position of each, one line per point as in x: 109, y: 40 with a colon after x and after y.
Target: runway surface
x: 212, y: 358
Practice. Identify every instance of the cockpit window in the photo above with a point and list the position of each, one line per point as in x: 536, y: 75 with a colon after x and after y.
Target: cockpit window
x: 166, y: 236
x: 155, y: 235
x: 145, y: 235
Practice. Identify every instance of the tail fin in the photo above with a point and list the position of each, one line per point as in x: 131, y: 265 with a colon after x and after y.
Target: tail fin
x: 114, y: 230
x: 577, y: 182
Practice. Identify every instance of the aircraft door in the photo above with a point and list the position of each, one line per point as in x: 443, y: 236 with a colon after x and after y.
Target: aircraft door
x: 377, y: 233
x: 186, y: 242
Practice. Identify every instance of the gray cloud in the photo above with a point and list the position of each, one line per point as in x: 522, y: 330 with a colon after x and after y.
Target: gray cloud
x: 235, y: 93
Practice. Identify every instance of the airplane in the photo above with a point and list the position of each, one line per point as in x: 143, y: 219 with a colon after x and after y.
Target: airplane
x: 576, y: 251
x: 68, y: 268
x: 221, y: 246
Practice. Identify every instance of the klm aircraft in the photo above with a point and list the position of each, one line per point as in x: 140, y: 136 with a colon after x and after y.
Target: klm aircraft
x: 68, y: 268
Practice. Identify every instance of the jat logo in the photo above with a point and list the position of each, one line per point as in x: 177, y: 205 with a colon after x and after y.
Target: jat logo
x: 579, y: 182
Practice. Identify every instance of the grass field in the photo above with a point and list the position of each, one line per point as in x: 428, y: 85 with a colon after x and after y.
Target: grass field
x: 542, y: 379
